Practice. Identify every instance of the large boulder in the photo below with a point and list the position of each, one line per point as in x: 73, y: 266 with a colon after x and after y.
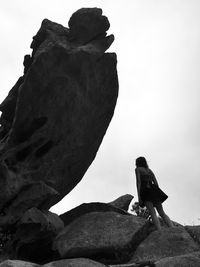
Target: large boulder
x: 54, y: 118
x: 84, y: 208
x: 167, y: 242
x: 35, y: 234
x: 108, y: 237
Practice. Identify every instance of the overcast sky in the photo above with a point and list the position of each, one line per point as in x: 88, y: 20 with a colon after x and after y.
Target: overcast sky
x: 157, y: 114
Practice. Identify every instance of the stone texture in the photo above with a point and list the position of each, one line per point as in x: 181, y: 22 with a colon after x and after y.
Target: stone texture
x: 37, y: 194
x: 84, y: 208
x: 194, y: 231
x: 167, y: 242
x: 81, y: 262
x: 122, y: 202
x: 35, y: 234
x: 187, y: 260
x: 54, y: 119
x: 17, y: 263
x: 140, y: 264
x: 108, y: 237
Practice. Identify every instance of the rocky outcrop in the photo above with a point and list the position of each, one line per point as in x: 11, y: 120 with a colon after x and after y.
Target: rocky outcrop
x: 100, y: 235
x: 54, y: 118
x: 52, y: 124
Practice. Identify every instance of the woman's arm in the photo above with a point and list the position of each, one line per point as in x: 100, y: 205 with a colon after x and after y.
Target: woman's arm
x: 138, y: 183
x: 154, y: 178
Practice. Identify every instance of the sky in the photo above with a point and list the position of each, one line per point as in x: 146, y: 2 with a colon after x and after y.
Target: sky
x: 157, y: 113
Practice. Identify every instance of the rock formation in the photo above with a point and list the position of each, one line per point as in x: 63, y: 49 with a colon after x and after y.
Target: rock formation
x: 52, y: 124
x: 99, y: 234
x: 54, y: 118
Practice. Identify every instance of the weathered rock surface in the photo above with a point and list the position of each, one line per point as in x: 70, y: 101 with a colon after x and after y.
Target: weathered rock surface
x: 104, y: 236
x: 75, y: 213
x: 35, y: 234
x: 194, y: 231
x: 167, y: 242
x: 81, y: 262
x: 122, y: 202
x: 54, y: 118
x: 17, y: 263
x: 187, y: 260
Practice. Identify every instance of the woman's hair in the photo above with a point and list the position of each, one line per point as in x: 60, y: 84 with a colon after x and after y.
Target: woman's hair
x: 141, y: 162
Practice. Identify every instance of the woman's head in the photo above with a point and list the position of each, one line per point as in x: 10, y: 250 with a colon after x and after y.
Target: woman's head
x: 141, y: 162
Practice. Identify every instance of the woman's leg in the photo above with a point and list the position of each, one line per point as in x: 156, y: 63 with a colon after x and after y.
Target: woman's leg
x: 154, y: 216
x: 161, y: 212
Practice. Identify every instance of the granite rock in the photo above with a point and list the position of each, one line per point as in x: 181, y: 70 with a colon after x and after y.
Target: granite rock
x: 85, y: 208
x: 122, y: 202
x: 55, y: 117
x: 80, y: 262
x: 194, y: 231
x: 187, y: 260
x: 35, y: 234
x: 167, y: 242
x: 17, y: 263
x: 108, y: 237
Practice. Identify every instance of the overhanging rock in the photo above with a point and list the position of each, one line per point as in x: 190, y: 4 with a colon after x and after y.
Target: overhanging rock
x: 54, y: 118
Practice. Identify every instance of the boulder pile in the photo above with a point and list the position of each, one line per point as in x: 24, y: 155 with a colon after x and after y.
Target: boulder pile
x: 99, y: 234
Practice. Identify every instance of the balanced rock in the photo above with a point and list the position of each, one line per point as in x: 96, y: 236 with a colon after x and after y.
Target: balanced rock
x: 55, y: 117
x: 168, y: 242
x: 108, y: 237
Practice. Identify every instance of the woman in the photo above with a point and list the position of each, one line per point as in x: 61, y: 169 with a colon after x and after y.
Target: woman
x: 149, y: 193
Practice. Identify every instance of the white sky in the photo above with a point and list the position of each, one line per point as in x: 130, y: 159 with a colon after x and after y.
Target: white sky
x: 157, y: 114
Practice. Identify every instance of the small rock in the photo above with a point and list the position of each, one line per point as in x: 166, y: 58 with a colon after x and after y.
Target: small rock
x: 122, y: 202
x: 87, y: 24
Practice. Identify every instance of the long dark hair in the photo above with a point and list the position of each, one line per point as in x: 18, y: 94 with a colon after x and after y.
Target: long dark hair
x: 141, y: 162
